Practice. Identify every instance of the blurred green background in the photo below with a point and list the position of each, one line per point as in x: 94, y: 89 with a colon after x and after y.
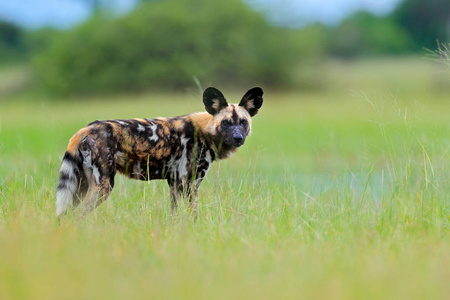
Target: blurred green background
x: 175, y: 45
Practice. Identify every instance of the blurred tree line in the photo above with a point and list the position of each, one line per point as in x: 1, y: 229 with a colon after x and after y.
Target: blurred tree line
x: 173, y: 43
x: 166, y: 45
x: 12, y: 42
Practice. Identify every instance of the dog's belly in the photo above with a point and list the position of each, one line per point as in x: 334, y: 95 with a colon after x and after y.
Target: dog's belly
x: 155, y: 163
x: 142, y: 169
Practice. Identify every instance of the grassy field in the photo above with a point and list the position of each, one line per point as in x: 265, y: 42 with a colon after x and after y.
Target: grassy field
x: 339, y: 194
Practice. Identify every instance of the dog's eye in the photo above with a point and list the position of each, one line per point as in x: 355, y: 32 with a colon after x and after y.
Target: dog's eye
x: 225, y: 123
x: 244, y: 122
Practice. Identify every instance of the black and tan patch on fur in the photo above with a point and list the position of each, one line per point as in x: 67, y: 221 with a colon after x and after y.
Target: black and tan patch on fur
x: 179, y: 150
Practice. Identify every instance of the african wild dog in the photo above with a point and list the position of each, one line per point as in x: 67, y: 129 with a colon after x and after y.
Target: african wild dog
x: 179, y: 150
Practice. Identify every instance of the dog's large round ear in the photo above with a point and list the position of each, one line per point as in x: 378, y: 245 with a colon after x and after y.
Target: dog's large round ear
x: 214, y: 100
x: 252, y: 100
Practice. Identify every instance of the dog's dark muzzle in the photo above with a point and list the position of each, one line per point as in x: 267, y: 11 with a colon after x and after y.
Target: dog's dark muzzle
x: 238, y: 140
x: 236, y: 137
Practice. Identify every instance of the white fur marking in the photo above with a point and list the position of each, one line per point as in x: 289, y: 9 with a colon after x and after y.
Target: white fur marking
x: 64, y: 199
x: 212, y: 129
x: 119, y: 155
x: 216, y: 104
x: 154, y: 137
x: 208, y: 158
x: 250, y: 104
x: 182, y: 163
x: 140, y: 128
x: 96, y: 174
x: 67, y: 168
x: 197, y: 182
x: 137, y: 170
x: 87, y: 159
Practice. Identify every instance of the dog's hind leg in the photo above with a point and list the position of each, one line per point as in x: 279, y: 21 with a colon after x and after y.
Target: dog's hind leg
x: 99, y: 172
x: 82, y: 190
x: 96, y: 194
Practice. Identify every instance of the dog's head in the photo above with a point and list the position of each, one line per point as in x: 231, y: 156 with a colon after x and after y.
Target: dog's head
x: 232, y: 122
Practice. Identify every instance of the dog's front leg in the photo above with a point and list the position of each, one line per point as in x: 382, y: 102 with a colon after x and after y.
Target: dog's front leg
x: 176, y: 193
x: 184, y: 190
x: 193, y: 197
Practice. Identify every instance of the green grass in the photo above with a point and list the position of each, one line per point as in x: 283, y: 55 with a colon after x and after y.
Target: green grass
x: 342, y: 194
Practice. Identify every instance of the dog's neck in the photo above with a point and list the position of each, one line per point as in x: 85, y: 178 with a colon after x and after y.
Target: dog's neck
x: 205, y: 125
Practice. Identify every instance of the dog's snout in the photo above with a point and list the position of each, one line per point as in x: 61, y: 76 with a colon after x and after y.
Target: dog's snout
x: 238, y: 138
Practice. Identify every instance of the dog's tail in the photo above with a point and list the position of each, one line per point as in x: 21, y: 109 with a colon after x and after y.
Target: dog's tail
x: 70, y: 174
